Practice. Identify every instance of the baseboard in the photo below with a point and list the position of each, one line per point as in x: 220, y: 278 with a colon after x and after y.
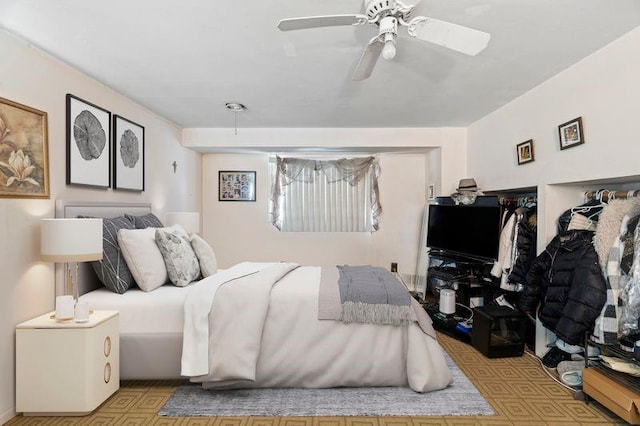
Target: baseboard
x: 7, y: 415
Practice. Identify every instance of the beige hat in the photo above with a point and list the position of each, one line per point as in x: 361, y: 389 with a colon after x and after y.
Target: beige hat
x: 467, y: 185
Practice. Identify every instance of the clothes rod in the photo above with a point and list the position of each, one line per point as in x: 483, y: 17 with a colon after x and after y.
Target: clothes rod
x: 606, y: 195
x: 518, y: 200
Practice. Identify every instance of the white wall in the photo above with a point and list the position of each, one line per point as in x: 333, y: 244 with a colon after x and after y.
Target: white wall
x: 30, y: 77
x: 604, y: 89
x: 241, y: 231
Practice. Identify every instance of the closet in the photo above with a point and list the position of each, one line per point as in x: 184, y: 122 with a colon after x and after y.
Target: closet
x: 553, y: 201
x: 616, y: 391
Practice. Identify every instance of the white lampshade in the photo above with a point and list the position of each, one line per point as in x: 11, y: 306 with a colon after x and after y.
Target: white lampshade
x: 190, y: 221
x: 70, y: 240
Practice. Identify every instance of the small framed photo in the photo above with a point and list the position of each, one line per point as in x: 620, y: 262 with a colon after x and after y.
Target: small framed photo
x: 128, y: 152
x: 431, y: 191
x: 88, y: 138
x: 24, y: 155
x: 571, y: 133
x: 236, y: 185
x: 525, y: 152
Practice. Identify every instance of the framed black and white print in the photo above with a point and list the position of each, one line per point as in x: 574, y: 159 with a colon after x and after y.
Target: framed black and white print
x: 236, y: 185
x: 88, y: 137
x: 128, y: 154
x: 571, y: 133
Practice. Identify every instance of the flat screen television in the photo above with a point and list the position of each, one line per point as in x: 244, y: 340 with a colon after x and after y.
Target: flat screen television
x: 471, y: 231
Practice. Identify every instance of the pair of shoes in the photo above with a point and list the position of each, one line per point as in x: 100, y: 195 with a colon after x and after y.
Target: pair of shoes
x: 555, y: 355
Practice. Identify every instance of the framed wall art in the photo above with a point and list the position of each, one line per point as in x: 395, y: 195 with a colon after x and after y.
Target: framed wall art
x: 88, y: 136
x: 571, y: 133
x: 525, y: 152
x: 236, y: 186
x: 128, y: 154
x: 24, y: 152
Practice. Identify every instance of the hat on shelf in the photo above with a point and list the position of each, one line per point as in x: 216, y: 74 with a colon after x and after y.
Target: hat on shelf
x: 466, y: 192
x: 467, y: 185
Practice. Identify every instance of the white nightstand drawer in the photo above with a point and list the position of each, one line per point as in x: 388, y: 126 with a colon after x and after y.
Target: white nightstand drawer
x: 66, y: 368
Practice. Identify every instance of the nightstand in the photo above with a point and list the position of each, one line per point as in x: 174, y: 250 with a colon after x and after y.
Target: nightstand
x: 66, y: 368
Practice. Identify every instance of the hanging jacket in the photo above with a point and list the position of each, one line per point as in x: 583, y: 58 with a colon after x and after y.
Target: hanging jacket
x: 606, y: 326
x: 526, y: 246
x: 567, y: 281
x: 502, y: 266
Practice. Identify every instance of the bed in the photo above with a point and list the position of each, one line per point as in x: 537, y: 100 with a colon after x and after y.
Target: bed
x: 292, y: 347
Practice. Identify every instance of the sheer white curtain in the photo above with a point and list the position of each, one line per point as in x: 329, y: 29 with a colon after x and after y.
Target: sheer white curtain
x: 325, y: 195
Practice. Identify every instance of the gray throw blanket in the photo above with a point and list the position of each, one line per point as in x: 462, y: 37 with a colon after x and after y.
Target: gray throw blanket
x: 373, y: 295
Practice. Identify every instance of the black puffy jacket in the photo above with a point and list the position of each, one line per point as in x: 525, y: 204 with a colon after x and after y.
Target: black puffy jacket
x: 526, y: 246
x: 567, y: 281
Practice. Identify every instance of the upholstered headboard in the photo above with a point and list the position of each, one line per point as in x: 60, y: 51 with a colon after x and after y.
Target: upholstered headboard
x: 69, y: 209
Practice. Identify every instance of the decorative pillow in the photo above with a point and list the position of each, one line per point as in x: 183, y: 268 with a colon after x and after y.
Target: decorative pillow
x: 149, y: 220
x: 179, y: 258
x: 143, y: 256
x: 112, y: 270
x: 206, y: 256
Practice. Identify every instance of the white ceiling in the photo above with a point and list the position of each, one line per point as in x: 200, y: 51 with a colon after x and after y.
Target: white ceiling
x: 184, y: 59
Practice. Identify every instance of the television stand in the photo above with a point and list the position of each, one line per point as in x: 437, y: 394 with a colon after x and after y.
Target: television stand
x: 448, y: 324
x: 472, y: 283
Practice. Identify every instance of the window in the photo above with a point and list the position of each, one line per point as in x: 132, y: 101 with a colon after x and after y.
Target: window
x: 325, y: 196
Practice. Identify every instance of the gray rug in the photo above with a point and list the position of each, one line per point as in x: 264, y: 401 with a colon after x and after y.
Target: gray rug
x: 461, y: 398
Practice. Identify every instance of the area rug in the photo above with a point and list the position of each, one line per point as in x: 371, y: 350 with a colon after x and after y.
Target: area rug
x: 461, y: 398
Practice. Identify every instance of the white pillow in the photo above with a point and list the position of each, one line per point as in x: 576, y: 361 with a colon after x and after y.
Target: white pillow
x: 206, y: 256
x: 143, y: 257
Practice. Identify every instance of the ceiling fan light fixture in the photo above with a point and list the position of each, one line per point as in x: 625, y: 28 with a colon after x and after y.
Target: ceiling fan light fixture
x: 388, y: 33
x: 389, y: 49
x: 235, y: 106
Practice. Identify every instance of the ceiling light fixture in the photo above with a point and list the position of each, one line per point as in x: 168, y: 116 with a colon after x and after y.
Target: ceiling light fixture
x: 235, y: 107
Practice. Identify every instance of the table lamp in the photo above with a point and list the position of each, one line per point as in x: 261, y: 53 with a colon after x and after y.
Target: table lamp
x: 190, y: 221
x: 66, y: 241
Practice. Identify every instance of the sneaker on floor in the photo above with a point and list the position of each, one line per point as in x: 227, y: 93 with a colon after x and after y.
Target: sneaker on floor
x: 555, y: 356
x: 570, y: 372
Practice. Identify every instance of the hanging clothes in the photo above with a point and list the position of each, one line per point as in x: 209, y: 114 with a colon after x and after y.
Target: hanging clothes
x: 517, y: 247
x: 567, y: 282
x: 609, y: 226
x: 606, y: 329
x: 502, y: 266
x: 526, y: 245
x: 629, y: 300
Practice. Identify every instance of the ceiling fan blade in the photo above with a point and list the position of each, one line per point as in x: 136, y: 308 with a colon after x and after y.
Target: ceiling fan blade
x: 368, y: 59
x: 320, y: 21
x: 462, y: 39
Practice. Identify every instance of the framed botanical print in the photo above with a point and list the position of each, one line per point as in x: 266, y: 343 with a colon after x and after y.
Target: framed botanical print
x: 24, y: 153
x: 88, y: 136
x: 128, y: 154
x: 236, y: 186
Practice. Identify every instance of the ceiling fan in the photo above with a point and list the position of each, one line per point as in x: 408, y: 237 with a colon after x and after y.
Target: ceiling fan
x: 387, y: 15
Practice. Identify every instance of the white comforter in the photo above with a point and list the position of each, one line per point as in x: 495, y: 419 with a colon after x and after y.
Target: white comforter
x: 264, y: 331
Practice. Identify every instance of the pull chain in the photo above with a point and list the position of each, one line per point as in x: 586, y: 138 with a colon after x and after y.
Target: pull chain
x: 235, y: 107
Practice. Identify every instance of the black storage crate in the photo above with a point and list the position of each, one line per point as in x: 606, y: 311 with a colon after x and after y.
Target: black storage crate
x: 498, y: 331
